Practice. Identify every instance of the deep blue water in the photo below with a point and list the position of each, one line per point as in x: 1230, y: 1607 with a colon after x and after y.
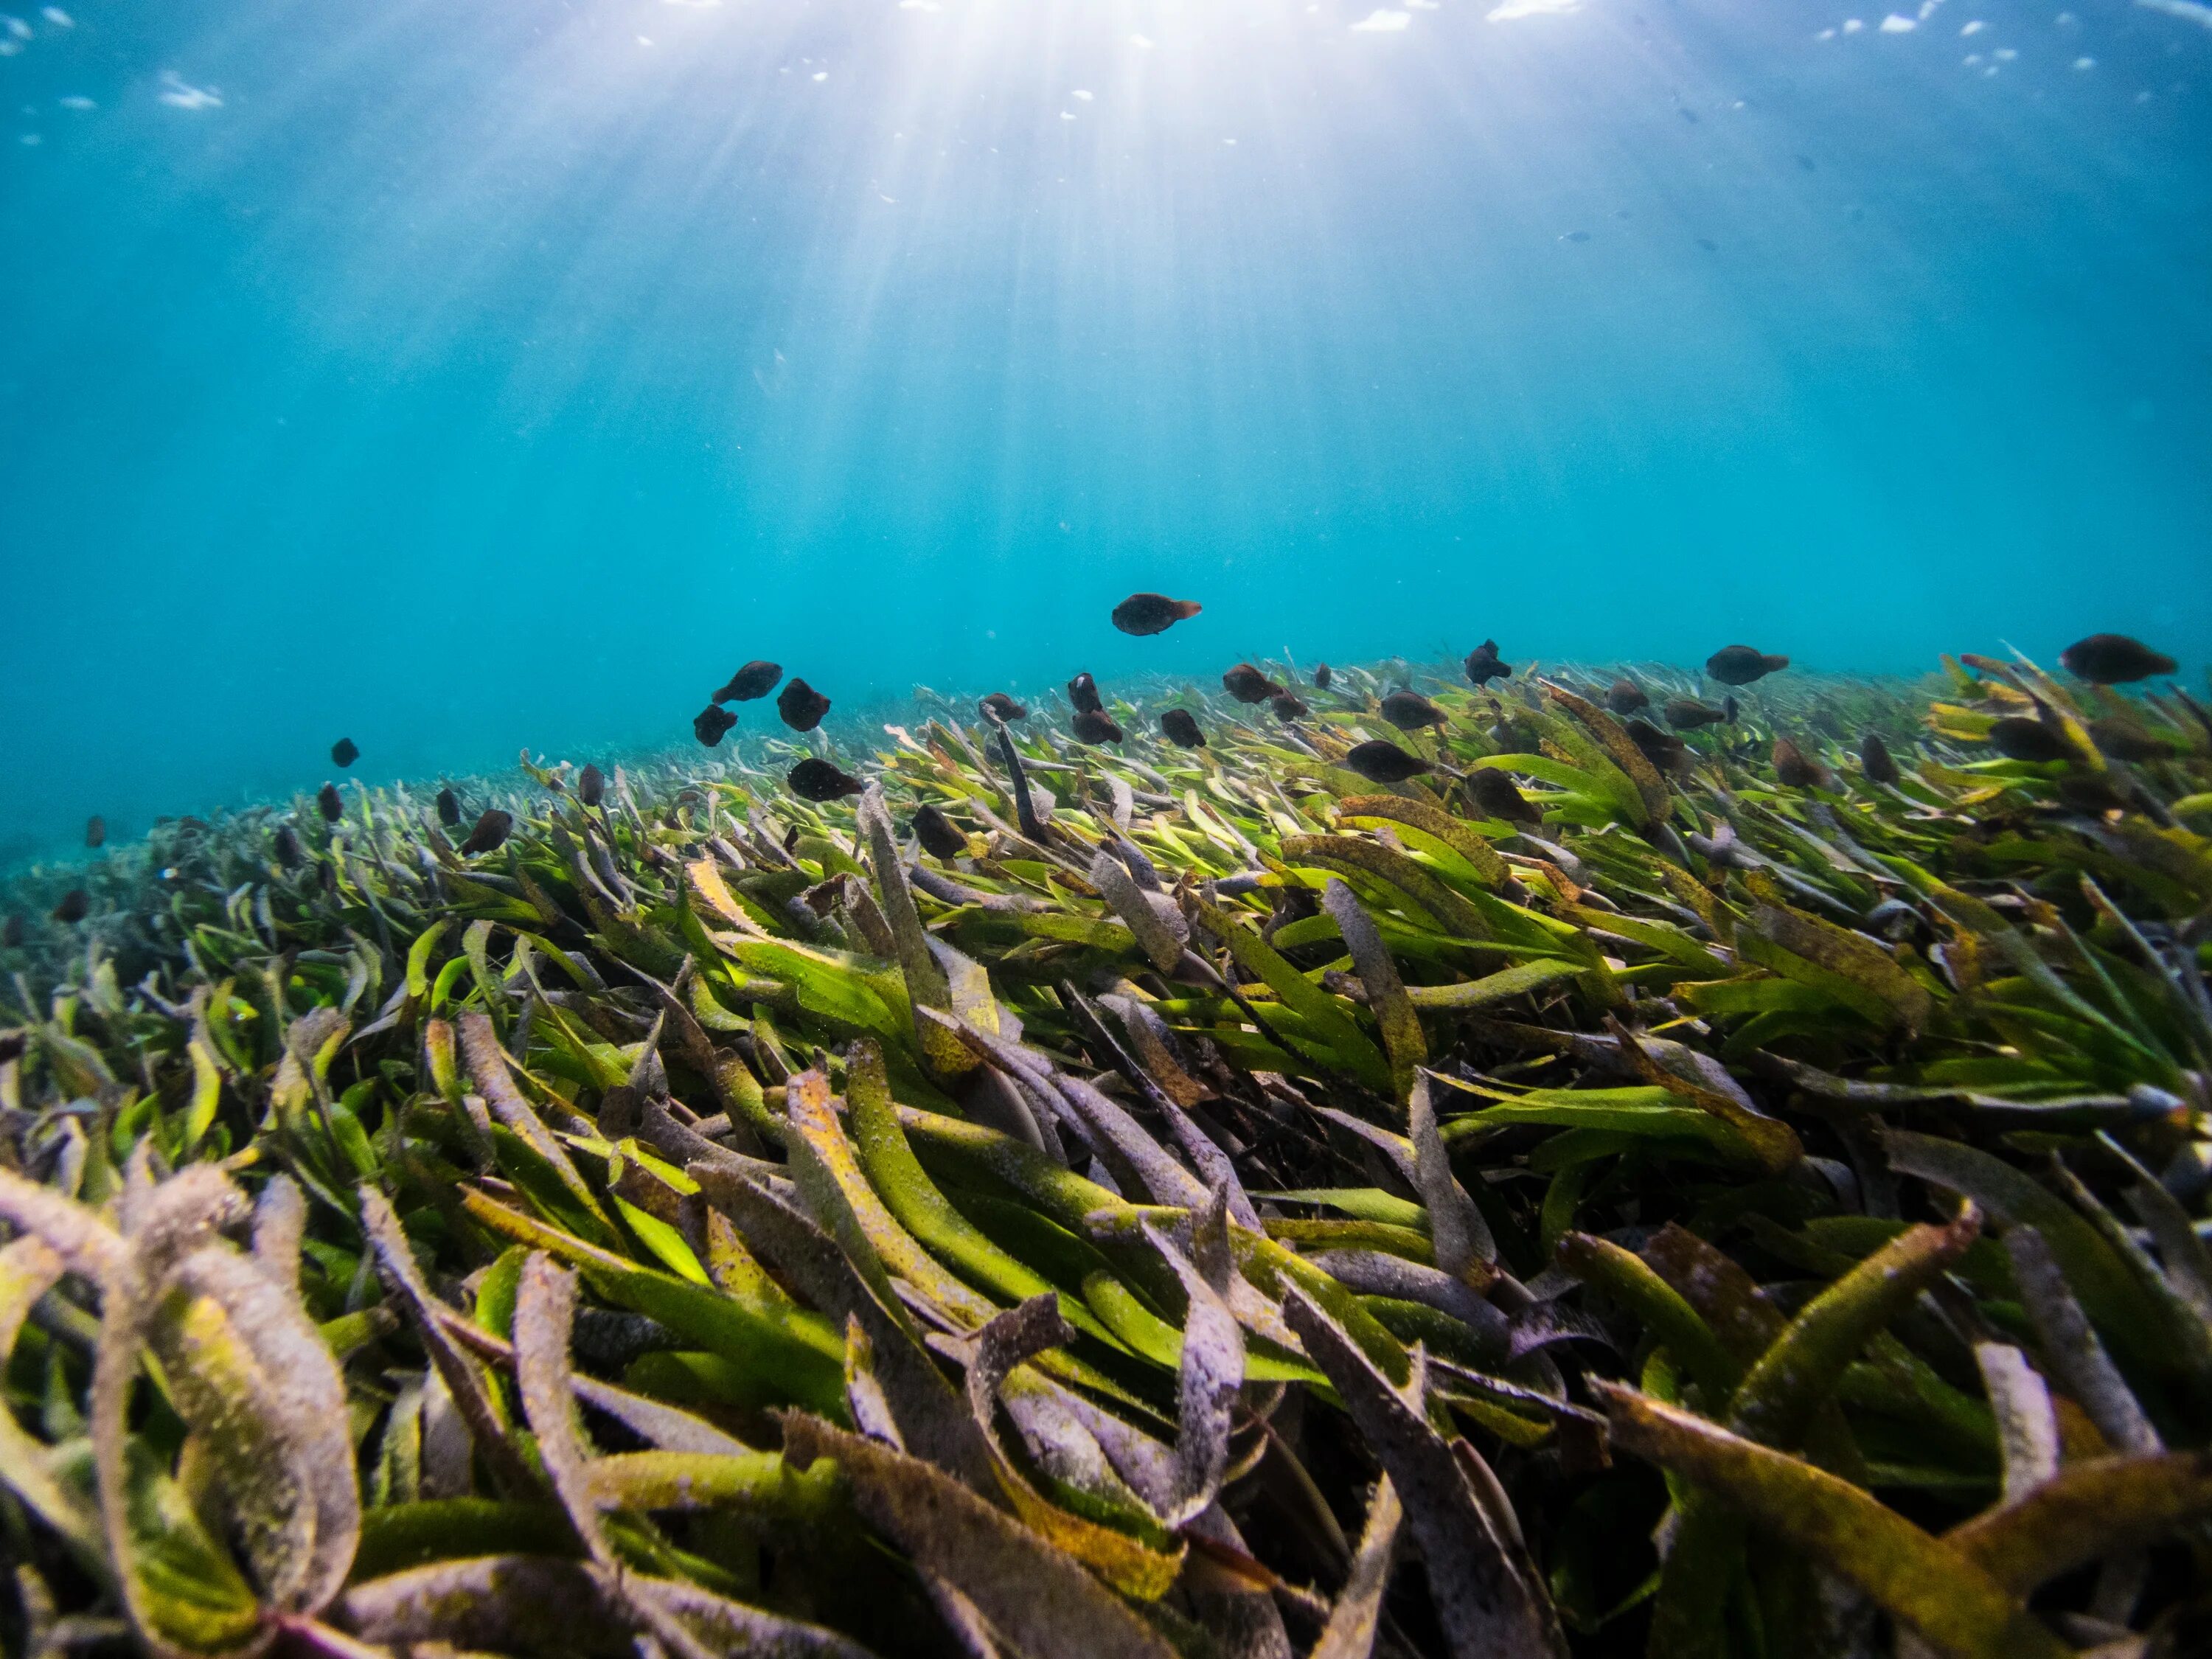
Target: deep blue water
x: 493, y: 373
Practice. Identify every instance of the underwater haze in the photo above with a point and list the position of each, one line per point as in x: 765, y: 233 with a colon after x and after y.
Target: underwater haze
x: 463, y: 377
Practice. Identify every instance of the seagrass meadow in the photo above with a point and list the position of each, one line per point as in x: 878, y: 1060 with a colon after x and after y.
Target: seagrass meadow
x: 1739, y: 1191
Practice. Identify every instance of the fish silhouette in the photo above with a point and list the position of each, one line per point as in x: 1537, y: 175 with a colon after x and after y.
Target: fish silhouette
x: 755, y: 679
x: 1152, y: 613
x: 1380, y: 761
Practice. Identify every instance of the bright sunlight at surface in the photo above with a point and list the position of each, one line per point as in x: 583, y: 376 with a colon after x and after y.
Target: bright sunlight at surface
x: 464, y: 376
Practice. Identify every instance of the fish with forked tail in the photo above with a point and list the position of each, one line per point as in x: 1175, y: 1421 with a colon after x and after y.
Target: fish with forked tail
x: 1180, y: 727
x: 1483, y: 666
x: 2018, y: 738
x: 1152, y: 613
x: 2114, y: 660
x: 1688, y: 714
x: 1795, y: 768
x: 1496, y: 796
x: 1096, y: 726
x: 1876, y: 762
x: 1380, y: 761
x: 939, y: 836
x: 1739, y: 665
x: 819, y: 781
x: 802, y: 706
x: 1288, y: 706
x: 1663, y: 749
x: 1625, y: 696
x: 755, y: 679
x: 1409, y: 711
x: 1001, y: 706
x: 712, y: 723
x: 492, y: 829
x: 1248, y: 684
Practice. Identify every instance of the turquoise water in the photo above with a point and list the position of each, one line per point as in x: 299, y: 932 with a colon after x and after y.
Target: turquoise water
x: 467, y: 376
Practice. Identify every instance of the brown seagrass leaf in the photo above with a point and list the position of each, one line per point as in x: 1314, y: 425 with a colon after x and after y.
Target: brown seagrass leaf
x: 527, y: 1604
x: 1464, y: 1246
x: 1488, y: 1598
x: 931, y: 1417
x: 1036, y: 1595
x: 1402, y: 1040
x: 1211, y: 1370
x: 2086, y: 1512
x: 463, y: 1384
x: 1951, y: 1603
x: 1350, y: 1633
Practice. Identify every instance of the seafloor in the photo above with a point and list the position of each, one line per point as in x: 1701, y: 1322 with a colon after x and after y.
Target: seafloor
x: 1648, y: 1181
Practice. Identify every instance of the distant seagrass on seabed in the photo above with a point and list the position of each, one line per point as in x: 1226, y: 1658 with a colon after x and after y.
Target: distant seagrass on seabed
x: 1700, y: 1163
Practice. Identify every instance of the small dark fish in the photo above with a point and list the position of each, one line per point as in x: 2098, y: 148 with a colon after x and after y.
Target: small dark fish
x: 939, y: 836
x: 1482, y: 663
x: 802, y: 706
x: 1248, y: 684
x: 1688, y: 714
x: 2114, y: 660
x: 1876, y: 762
x: 1663, y: 749
x: 11, y: 930
x: 818, y: 781
x: 1004, y: 707
x: 1496, y: 797
x: 345, y: 752
x: 2018, y: 738
x: 1575, y: 236
x: 1709, y: 244
x: 1179, y: 726
x: 449, y: 808
x: 1322, y: 676
x: 1382, y: 761
x: 1794, y: 768
x: 326, y: 877
x: 1152, y: 613
x: 1739, y: 665
x: 286, y: 845
x: 1806, y: 163
x: 330, y: 803
x: 1083, y: 696
x: 1729, y: 708
x: 2091, y: 792
x: 755, y: 679
x: 1625, y: 696
x: 492, y: 829
x: 74, y: 906
x: 1288, y: 706
x: 712, y: 723
x: 95, y: 831
x: 1096, y: 726
x: 1689, y: 116
x: 2124, y: 742
x: 1409, y: 711
x: 590, y: 785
